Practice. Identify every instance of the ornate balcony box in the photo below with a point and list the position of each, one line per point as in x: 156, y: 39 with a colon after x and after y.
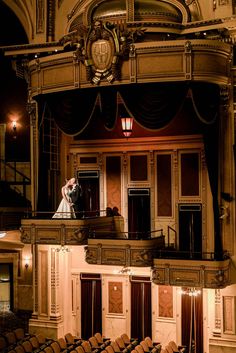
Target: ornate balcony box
x: 123, y: 252
x: 69, y: 231
x: 192, y: 273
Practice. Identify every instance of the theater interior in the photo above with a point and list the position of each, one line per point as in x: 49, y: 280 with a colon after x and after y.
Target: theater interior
x: 135, y: 100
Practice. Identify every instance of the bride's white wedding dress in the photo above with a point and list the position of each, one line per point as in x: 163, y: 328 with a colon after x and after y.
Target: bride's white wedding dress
x: 64, y: 209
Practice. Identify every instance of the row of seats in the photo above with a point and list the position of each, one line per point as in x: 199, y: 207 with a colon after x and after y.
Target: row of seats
x: 18, y: 342
x: 25, y: 344
x: 11, y: 337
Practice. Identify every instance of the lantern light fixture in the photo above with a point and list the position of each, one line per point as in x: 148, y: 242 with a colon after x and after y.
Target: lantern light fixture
x: 127, y: 125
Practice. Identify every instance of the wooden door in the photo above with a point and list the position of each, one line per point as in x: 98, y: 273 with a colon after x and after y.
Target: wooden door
x: 91, y: 305
x: 141, y: 312
x: 139, y: 213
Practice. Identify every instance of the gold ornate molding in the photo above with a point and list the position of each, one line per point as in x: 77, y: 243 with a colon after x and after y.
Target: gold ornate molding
x: 68, y: 231
x: 123, y: 252
x: 191, y: 273
x: 197, y: 60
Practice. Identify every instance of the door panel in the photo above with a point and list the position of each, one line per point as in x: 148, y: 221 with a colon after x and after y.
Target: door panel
x: 91, y: 307
x: 141, y: 320
x: 190, y: 230
x: 138, y: 213
x: 89, y: 196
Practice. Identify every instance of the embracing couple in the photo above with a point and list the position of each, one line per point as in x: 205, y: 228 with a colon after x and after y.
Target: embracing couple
x: 69, y: 205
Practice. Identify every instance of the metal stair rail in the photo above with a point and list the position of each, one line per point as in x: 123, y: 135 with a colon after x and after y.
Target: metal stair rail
x: 16, y: 177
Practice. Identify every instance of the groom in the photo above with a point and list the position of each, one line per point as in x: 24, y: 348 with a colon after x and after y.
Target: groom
x: 76, y: 199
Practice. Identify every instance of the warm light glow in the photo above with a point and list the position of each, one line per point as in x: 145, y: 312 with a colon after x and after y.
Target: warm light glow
x: 27, y: 261
x: 191, y: 292
x: 14, y: 125
x: 2, y: 234
x: 127, y: 125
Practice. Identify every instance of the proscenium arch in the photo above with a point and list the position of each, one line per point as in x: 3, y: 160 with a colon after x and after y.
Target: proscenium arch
x: 22, y: 12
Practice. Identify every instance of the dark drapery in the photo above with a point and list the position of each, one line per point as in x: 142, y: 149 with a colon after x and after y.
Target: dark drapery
x: 91, y: 307
x: 141, y: 309
x: 154, y: 105
x: 72, y: 110
x: 205, y: 98
x: 210, y: 137
x: 136, y: 310
x: 108, y: 106
x: 139, y: 221
x: 192, y: 322
x: 206, y: 102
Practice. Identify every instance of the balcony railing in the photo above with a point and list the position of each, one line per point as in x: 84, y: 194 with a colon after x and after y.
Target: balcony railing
x: 106, y: 243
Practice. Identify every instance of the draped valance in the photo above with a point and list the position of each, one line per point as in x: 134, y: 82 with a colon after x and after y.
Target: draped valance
x: 152, y: 105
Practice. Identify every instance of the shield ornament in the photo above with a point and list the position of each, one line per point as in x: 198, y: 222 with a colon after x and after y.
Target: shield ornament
x: 102, y: 52
x: 102, y: 46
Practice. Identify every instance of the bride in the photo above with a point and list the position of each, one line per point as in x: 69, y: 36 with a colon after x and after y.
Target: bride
x: 65, y: 208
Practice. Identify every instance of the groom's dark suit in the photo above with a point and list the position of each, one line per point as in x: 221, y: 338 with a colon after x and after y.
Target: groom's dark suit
x: 76, y: 199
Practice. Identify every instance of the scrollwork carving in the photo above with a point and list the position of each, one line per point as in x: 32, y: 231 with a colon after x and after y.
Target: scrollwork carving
x: 156, y: 278
x: 145, y: 257
x: 100, y: 48
x: 81, y: 235
x: 89, y: 256
x: 25, y: 237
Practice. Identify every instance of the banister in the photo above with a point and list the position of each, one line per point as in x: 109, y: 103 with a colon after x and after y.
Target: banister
x: 168, y: 236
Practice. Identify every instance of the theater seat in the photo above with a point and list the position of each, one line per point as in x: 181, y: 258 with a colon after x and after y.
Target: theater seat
x: 93, y: 342
x: 19, y: 349
x: 102, y: 340
x: 10, y: 338
x: 115, y: 346
x: 27, y: 346
x: 145, y: 346
x: 70, y: 339
x: 79, y: 349
x: 19, y: 333
x: 176, y: 348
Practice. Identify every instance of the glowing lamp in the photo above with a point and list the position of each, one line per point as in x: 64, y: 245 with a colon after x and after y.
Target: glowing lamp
x: 127, y: 125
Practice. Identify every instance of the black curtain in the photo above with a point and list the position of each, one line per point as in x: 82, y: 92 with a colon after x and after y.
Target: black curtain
x: 139, y: 221
x: 211, y: 144
x: 89, y: 196
x: 97, y: 322
x: 86, y: 306
x: 192, y: 322
x: 154, y: 105
x: 91, y: 307
x: 206, y: 103
x: 141, y: 310
x: 72, y: 110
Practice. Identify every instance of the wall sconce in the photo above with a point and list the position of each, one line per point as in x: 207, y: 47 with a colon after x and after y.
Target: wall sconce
x: 127, y: 125
x: 27, y: 262
x: 14, y: 126
x: 14, y: 129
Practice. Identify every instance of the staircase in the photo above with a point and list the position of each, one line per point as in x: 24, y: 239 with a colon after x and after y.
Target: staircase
x: 14, y: 203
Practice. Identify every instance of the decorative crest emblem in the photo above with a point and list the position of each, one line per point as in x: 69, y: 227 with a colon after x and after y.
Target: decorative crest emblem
x: 100, y: 49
